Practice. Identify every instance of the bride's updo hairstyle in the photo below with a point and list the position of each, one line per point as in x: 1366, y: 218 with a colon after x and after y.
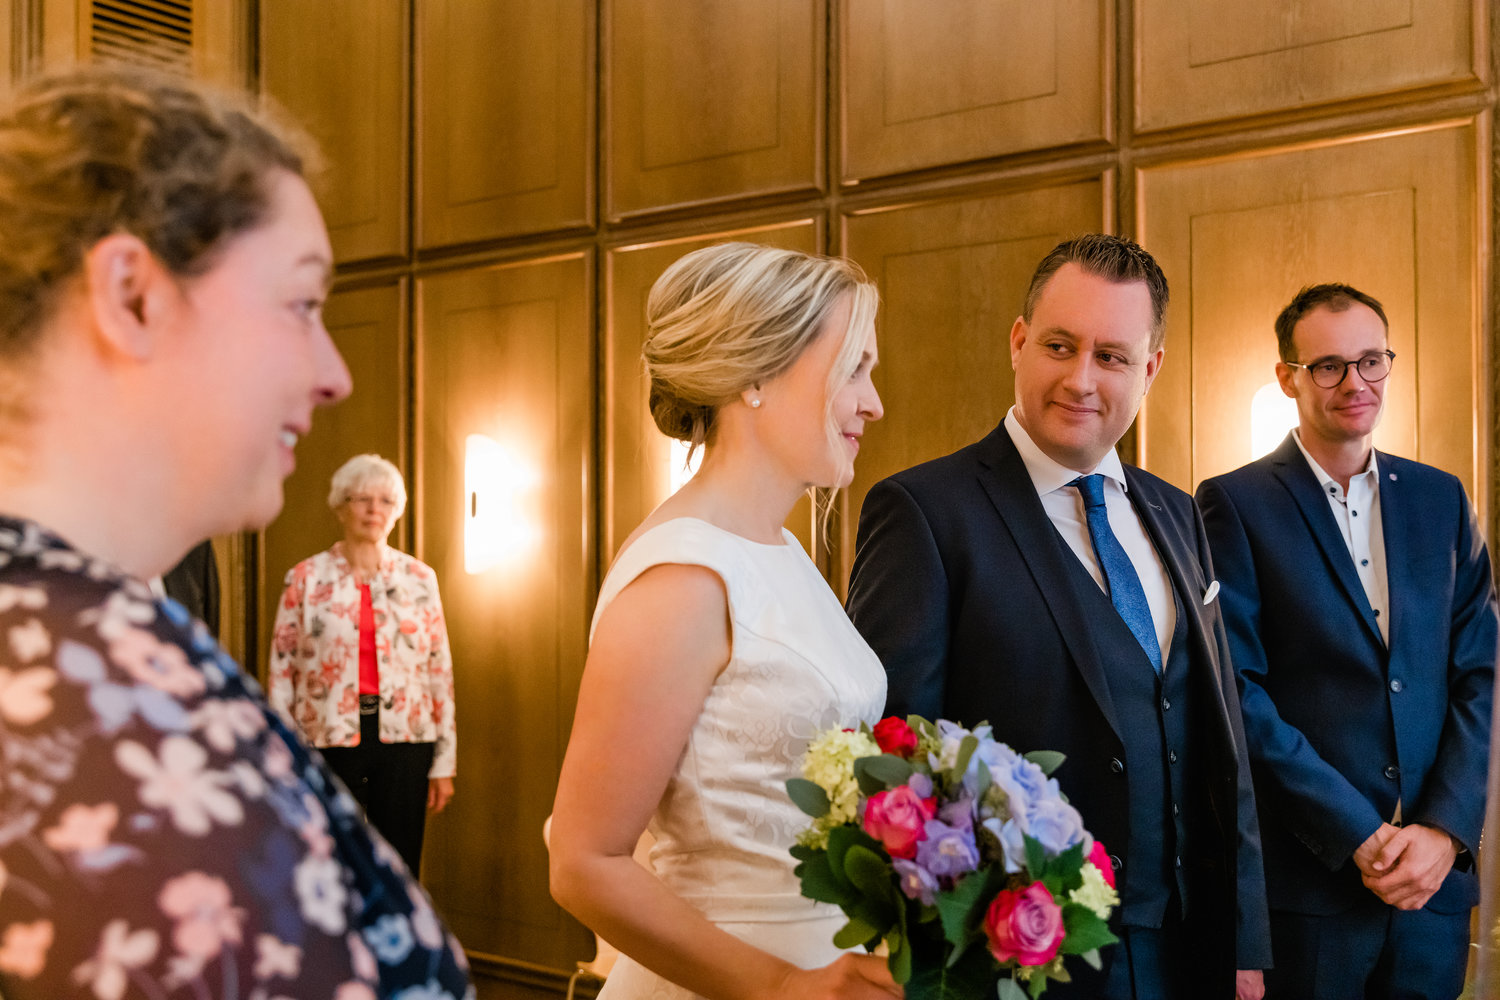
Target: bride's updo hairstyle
x: 729, y: 317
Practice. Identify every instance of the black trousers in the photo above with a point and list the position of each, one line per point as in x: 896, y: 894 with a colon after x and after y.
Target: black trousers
x: 389, y: 781
x: 1372, y: 952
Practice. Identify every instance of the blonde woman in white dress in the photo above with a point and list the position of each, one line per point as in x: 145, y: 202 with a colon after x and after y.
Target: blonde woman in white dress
x: 718, y: 651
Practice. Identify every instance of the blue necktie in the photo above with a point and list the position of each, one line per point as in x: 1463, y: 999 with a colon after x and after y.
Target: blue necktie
x: 1125, y: 590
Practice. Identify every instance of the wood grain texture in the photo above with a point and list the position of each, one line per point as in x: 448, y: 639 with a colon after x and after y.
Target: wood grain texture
x: 505, y: 118
x: 923, y: 85
x: 506, y: 352
x: 361, y: 129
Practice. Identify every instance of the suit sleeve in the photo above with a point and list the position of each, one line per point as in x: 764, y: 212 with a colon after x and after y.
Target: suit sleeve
x: 1448, y: 797
x: 1252, y: 914
x: 898, y: 599
x: 1312, y: 799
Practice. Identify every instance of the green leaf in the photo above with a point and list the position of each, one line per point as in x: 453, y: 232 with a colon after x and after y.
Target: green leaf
x: 804, y: 852
x: 962, y: 907
x: 1092, y: 957
x: 982, y: 786
x: 966, y: 750
x: 856, y: 932
x: 888, y: 769
x: 1036, y: 857
x: 840, y: 840
x: 870, y: 873
x: 808, y: 796
x: 1036, y: 986
x: 1047, y: 760
x: 1085, y: 931
x: 1009, y: 989
x: 819, y: 882
x: 899, y: 962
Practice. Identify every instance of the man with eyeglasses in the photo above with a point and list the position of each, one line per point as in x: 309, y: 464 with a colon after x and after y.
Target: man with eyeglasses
x: 1357, y: 595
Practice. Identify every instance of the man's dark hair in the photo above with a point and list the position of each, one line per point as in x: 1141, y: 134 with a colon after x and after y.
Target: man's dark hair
x: 1112, y: 258
x: 1332, y: 296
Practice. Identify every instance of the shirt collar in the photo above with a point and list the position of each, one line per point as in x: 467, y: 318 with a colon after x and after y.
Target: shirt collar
x: 1327, y: 481
x: 1046, y: 474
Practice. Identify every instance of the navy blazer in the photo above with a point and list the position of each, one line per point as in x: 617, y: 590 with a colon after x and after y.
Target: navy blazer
x: 962, y: 585
x: 1339, y: 724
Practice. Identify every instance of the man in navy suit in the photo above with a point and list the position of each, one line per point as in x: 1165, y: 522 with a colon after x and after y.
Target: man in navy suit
x: 1035, y: 581
x: 1361, y: 615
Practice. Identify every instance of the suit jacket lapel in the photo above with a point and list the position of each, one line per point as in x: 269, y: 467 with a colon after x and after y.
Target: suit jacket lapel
x: 1004, y: 478
x: 1397, y: 522
x: 1292, y: 469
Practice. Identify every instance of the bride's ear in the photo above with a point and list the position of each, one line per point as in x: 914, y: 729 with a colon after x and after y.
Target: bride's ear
x: 129, y: 293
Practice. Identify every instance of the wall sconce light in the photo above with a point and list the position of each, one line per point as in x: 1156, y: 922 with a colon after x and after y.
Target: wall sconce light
x: 681, y: 470
x: 1272, y: 416
x: 496, y: 526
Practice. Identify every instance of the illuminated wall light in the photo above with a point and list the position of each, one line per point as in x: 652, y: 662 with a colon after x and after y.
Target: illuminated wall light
x: 681, y: 470
x: 497, y: 485
x: 1272, y: 416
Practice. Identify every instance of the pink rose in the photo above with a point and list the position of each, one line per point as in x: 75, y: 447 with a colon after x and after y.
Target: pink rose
x: 1100, y: 858
x: 1026, y: 926
x: 898, y: 819
x: 895, y: 737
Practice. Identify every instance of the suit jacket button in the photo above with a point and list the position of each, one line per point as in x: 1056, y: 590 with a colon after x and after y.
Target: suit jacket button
x: 1166, y: 706
x: 1177, y: 861
x: 1396, y: 684
x: 1176, y: 811
x: 1116, y: 765
x: 1115, y: 862
x: 1392, y: 771
x: 1171, y: 756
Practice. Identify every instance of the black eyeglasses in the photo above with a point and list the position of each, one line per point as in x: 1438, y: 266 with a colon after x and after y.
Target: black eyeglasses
x: 1331, y: 372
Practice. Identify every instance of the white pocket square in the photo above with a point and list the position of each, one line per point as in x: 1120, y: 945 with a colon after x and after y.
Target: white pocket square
x: 1211, y: 593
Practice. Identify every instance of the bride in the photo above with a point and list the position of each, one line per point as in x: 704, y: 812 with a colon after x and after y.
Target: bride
x: 718, y: 651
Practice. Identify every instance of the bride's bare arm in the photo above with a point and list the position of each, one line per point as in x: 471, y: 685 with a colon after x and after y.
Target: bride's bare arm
x: 656, y: 652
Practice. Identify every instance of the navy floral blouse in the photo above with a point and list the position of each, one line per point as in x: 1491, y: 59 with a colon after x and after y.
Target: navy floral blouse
x: 163, y: 835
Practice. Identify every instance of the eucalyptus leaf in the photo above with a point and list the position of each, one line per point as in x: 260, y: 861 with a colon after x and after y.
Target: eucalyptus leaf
x: 1009, y: 989
x: 1047, y: 760
x: 808, y: 796
x: 966, y: 748
x: 890, y: 770
x: 1092, y: 957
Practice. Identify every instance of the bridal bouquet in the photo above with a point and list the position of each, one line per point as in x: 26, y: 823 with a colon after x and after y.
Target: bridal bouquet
x: 958, y: 853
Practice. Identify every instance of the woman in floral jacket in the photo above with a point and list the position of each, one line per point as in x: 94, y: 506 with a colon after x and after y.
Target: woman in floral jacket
x: 360, y: 660
x: 163, y: 834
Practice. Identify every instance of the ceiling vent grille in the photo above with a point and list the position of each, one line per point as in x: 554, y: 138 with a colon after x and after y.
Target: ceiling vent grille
x: 154, y: 33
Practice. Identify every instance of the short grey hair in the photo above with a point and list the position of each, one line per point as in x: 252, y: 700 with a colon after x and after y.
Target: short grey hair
x: 363, y: 471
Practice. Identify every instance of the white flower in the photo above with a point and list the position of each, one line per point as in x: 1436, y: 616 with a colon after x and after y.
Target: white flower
x: 321, y: 894
x: 1095, y: 893
x: 224, y: 723
x: 274, y: 957
x: 107, y: 973
x: 178, y: 782
x: 30, y: 641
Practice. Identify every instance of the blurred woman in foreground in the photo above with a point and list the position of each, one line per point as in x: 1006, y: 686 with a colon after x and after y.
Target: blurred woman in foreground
x: 162, y: 833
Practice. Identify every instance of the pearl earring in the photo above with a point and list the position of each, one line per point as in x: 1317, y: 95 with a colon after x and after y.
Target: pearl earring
x: 755, y: 404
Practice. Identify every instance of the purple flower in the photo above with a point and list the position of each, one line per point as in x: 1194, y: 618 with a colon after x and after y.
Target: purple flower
x: 921, y: 784
x: 959, y: 813
x: 916, y: 881
x: 947, y: 852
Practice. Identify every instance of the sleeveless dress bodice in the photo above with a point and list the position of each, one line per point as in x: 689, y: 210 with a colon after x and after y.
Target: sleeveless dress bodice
x: 797, y: 666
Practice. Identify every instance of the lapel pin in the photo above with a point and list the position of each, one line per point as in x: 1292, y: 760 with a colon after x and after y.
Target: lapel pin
x: 1211, y: 593
x: 1393, y: 477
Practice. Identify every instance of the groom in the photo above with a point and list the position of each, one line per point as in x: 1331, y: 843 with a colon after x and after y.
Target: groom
x: 1035, y: 581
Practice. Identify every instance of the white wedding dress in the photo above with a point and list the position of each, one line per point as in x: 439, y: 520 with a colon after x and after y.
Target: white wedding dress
x: 797, y: 666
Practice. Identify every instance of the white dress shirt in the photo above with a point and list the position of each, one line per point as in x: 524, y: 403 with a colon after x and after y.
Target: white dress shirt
x: 1064, y: 507
x: 1357, y: 513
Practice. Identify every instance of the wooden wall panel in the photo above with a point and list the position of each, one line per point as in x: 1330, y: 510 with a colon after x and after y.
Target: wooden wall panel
x: 712, y: 100
x: 953, y: 277
x: 505, y: 113
x: 637, y: 456
x: 369, y: 328
x: 507, y: 352
x: 1394, y: 215
x: 925, y: 84
x: 1198, y: 62
x: 360, y: 126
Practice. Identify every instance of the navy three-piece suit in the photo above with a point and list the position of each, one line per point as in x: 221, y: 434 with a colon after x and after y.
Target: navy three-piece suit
x: 980, y: 611
x: 1341, y: 725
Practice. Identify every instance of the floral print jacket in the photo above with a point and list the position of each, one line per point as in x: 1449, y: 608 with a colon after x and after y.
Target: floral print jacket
x: 163, y: 833
x: 314, y: 670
